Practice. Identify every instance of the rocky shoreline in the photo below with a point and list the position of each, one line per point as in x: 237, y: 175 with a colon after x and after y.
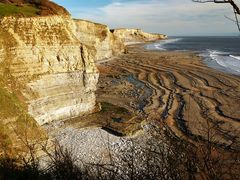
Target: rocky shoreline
x: 183, y: 94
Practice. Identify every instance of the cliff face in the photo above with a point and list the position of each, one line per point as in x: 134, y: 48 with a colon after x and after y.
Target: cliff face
x: 49, y: 62
x: 105, y: 44
x: 45, y: 62
x: 131, y: 36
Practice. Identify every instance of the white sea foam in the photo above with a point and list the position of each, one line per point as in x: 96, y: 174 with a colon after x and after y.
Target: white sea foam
x: 213, y: 50
x: 229, y: 62
x: 236, y: 57
x: 160, y: 45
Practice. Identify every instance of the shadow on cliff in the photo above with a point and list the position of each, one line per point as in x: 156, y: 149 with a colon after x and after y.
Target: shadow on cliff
x: 61, y: 165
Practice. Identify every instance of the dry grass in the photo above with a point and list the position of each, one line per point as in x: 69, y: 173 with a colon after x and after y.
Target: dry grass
x: 12, y: 9
x: 29, y: 8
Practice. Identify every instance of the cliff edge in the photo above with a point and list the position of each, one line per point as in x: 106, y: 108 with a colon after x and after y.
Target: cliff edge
x: 132, y: 36
x: 105, y: 44
x: 30, y: 8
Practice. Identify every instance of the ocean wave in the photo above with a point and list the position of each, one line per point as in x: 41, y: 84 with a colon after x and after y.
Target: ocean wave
x: 167, y: 41
x: 225, y: 60
x: 160, y: 45
x: 236, y: 57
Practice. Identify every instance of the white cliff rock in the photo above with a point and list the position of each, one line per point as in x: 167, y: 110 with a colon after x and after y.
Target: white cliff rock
x: 50, y: 61
x: 53, y: 69
x: 105, y: 43
x: 132, y: 36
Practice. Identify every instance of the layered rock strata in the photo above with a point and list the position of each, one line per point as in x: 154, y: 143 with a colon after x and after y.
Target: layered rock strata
x: 50, y: 61
x: 49, y: 65
x: 132, y: 36
x: 105, y: 43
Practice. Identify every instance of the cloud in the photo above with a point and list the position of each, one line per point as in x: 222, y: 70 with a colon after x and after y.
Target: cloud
x: 172, y: 17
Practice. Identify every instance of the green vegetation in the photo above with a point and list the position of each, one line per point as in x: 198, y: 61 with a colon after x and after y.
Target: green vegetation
x: 8, y: 109
x: 13, y: 10
x: 9, y: 104
x: 15, y: 122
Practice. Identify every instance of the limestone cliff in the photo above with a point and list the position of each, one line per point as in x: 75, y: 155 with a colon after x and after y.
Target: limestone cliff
x: 131, y: 36
x: 105, y: 43
x: 49, y: 62
x: 43, y: 60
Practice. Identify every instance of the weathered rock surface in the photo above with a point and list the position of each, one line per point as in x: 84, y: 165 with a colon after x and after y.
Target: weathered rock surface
x: 49, y: 65
x: 105, y: 43
x: 50, y: 61
x: 132, y: 36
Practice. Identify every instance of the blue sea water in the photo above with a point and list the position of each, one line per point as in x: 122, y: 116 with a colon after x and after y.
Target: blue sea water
x: 222, y: 53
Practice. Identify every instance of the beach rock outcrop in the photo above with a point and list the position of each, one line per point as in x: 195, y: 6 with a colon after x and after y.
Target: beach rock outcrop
x: 43, y: 59
x: 132, y: 36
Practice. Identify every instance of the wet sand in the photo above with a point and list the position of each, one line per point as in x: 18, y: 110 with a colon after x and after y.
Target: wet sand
x: 195, y: 101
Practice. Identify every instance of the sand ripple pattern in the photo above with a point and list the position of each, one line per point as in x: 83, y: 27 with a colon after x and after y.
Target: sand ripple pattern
x: 195, y: 101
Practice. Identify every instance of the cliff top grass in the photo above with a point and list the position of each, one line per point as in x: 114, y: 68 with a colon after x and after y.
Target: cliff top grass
x: 13, y: 10
x: 29, y: 8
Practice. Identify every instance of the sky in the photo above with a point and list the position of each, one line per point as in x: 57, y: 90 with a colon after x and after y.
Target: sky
x: 171, y: 17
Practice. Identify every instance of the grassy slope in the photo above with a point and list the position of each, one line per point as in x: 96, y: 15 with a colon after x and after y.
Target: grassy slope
x: 16, y: 126
x: 12, y: 9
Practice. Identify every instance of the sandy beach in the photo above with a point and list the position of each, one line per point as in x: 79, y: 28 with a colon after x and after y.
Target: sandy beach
x: 143, y: 89
x: 119, y: 89
x: 195, y: 101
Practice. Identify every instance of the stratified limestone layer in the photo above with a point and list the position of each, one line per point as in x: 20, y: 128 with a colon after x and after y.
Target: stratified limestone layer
x: 105, y: 43
x: 132, y: 36
x: 49, y: 65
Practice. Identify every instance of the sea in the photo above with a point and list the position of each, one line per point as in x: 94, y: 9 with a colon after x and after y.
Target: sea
x: 221, y: 53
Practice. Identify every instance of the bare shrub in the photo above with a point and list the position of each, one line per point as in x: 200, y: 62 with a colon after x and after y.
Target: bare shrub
x: 164, y: 157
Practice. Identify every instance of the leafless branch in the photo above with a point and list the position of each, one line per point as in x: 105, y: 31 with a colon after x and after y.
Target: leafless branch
x: 231, y: 19
x: 236, y: 9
